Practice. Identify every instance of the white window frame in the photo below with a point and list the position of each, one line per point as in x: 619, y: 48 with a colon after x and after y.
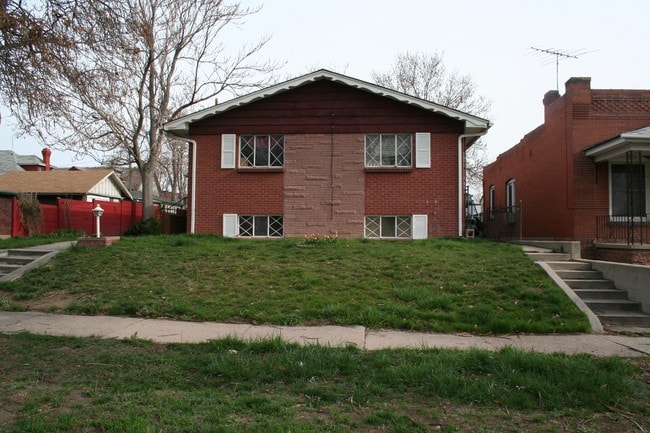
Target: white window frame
x: 646, y: 167
x: 248, y: 226
x: 493, y: 199
x: 376, y: 161
x: 511, y: 195
x: 373, y: 226
x: 272, y: 160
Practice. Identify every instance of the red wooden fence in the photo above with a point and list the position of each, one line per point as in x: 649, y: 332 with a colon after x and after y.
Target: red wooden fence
x: 77, y: 215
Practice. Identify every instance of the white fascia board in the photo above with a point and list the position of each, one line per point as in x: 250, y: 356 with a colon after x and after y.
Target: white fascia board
x: 181, y: 126
x: 618, y: 146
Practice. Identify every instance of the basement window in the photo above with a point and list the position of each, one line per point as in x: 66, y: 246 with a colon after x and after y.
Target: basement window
x: 388, y: 227
x: 261, y: 226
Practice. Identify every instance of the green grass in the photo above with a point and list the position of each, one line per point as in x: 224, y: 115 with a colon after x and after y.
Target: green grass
x: 32, y: 241
x: 433, y: 285
x: 54, y: 384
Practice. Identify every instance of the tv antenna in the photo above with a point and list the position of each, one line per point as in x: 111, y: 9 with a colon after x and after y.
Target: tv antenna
x: 553, y: 55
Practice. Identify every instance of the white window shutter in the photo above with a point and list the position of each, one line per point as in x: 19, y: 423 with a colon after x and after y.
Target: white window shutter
x: 423, y: 150
x: 230, y: 225
x: 420, y: 223
x: 228, y: 147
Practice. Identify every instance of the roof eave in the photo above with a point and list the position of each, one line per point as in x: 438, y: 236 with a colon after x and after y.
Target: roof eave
x: 180, y: 127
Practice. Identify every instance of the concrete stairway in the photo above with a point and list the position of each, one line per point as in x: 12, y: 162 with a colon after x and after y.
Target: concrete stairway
x: 609, y: 304
x: 13, y: 263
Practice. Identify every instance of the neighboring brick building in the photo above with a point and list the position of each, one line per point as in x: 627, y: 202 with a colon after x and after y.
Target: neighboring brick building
x: 326, y: 153
x: 568, y: 172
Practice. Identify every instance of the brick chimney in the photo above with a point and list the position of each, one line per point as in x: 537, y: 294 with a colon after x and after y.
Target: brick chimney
x: 47, y: 153
x: 549, y: 108
x: 551, y: 96
x: 578, y: 90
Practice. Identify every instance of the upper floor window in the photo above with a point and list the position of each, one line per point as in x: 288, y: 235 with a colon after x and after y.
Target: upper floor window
x: 261, y: 151
x: 388, y: 150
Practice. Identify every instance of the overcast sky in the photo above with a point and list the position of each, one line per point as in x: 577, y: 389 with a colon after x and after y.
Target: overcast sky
x: 489, y: 40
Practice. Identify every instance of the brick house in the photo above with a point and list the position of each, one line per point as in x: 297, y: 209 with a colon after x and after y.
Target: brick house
x: 326, y: 153
x: 580, y: 172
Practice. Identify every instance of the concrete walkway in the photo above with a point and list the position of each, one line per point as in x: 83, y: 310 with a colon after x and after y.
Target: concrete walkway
x: 170, y: 331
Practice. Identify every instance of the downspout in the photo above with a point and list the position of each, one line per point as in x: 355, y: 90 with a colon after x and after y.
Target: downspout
x: 461, y: 166
x: 193, y: 188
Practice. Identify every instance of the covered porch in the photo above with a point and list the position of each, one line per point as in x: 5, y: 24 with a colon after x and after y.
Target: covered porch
x: 623, y: 233
x: 628, y: 159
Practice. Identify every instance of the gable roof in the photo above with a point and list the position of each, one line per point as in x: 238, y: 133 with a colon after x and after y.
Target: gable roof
x: 180, y: 127
x: 635, y: 140
x: 59, y: 181
x: 11, y: 161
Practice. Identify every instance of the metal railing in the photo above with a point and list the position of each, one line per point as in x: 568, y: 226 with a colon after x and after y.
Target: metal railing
x: 503, y: 222
x: 623, y: 229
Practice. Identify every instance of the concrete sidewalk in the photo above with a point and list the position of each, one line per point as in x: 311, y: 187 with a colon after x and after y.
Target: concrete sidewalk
x: 170, y: 331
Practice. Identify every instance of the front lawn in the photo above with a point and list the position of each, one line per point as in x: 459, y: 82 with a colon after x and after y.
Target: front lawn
x: 56, y: 384
x: 434, y: 285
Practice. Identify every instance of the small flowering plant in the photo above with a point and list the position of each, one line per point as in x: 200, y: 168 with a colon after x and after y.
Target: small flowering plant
x: 316, y: 238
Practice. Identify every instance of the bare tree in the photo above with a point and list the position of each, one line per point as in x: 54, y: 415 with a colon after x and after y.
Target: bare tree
x: 171, y: 175
x: 113, y: 72
x: 425, y: 76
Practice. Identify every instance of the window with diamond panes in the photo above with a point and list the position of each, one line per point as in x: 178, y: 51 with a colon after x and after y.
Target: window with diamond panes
x: 388, y: 227
x: 261, y: 151
x: 261, y: 226
x: 388, y: 150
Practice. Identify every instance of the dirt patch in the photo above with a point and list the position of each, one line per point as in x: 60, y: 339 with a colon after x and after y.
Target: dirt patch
x: 55, y: 301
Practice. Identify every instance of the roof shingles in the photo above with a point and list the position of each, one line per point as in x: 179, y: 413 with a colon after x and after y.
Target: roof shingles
x: 52, y: 182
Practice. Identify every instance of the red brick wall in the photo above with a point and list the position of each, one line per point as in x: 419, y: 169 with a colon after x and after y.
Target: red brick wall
x: 563, y: 190
x: 623, y: 255
x: 324, y: 186
x: 421, y: 191
x: 219, y: 191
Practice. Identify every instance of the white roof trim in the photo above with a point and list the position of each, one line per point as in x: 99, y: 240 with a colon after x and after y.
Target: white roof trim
x: 180, y: 127
x: 118, y: 183
x: 636, y: 140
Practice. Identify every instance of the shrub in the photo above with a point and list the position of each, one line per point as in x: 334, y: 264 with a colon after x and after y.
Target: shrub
x: 151, y: 226
x: 31, y: 215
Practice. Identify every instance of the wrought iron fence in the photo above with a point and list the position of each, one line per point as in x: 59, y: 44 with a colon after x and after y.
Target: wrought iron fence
x: 623, y: 229
x: 503, y: 222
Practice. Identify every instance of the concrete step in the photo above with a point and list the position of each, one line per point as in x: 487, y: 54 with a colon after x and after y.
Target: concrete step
x: 6, y: 268
x: 600, y: 293
x: 549, y: 257
x: 26, y: 253
x: 589, y: 284
x: 625, y: 319
x: 579, y: 274
x: 570, y: 266
x: 602, y: 305
x: 11, y: 260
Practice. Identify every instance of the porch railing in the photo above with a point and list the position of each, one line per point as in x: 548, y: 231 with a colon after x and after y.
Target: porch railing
x: 623, y: 229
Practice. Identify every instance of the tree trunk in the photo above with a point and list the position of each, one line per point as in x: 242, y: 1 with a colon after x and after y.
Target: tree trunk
x: 147, y: 192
